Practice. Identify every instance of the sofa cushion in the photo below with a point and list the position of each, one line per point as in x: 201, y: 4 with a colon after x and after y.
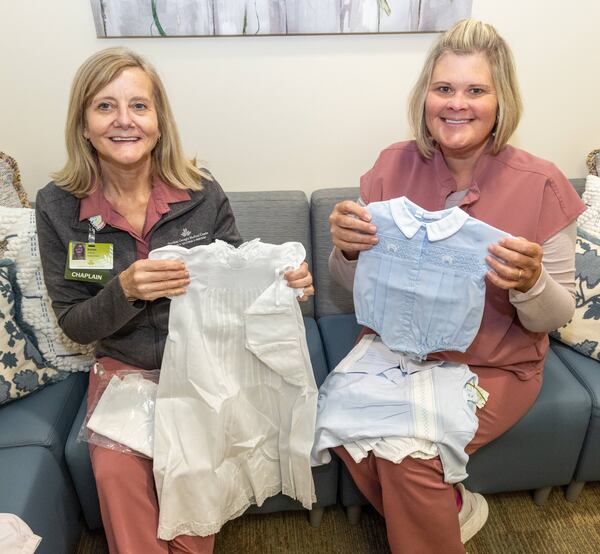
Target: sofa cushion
x: 43, y: 418
x: 587, y: 372
x: 17, y: 227
x: 22, y: 368
x: 78, y: 461
x: 553, y: 429
x: 35, y: 487
x: 339, y: 333
x: 582, y: 332
x: 578, y: 184
x: 274, y: 217
x: 330, y: 298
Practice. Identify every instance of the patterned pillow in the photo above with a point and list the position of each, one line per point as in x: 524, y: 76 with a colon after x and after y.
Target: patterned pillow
x: 593, y: 162
x: 12, y: 194
x: 583, y: 331
x: 17, y: 227
x: 589, y: 220
x: 22, y: 367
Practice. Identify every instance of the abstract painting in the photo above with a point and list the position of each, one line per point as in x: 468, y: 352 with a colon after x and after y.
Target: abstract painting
x: 172, y: 18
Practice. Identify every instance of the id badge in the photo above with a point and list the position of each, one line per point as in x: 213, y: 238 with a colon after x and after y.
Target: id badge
x: 89, y: 261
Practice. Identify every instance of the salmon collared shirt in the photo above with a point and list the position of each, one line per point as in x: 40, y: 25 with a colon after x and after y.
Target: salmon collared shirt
x: 96, y: 204
x: 513, y: 191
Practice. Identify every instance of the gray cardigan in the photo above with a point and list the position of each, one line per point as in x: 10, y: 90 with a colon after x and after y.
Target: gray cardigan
x: 87, y: 312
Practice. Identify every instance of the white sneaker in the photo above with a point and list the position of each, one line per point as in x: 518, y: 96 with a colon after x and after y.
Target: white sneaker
x: 473, y: 513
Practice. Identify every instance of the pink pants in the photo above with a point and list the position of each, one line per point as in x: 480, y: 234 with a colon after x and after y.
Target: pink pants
x: 128, y: 501
x: 419, y: 507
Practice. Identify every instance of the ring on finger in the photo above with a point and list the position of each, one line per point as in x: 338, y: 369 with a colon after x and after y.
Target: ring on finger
x: 520, y: 274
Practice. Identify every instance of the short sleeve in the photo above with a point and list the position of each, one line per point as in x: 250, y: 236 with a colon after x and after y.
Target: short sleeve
x: 561, y: 205
x: 365, y: 186
x: 370, y: 184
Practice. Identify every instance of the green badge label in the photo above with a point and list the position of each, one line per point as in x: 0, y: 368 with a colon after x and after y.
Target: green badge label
x: 89, y: 262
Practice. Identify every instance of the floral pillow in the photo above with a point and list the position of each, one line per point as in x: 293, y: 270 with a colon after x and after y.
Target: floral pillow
x: 23, y: 370
x: 17, y: 228
x: 583, y: 331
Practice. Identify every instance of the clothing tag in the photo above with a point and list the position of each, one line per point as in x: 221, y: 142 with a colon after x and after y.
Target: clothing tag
x: 482, y: 396
x: 89, y: 262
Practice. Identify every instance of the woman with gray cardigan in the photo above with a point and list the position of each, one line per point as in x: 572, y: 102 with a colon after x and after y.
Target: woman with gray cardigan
x: 126, y: 189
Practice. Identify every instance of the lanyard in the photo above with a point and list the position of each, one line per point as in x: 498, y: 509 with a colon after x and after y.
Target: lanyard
x: 91, y: 234
x: 95, y: 224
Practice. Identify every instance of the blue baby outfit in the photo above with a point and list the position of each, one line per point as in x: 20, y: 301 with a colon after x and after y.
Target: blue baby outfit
x: 422, y: 287
x: 377, y: 393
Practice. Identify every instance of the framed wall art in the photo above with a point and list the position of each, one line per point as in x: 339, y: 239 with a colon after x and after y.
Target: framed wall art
x: 173, y: 18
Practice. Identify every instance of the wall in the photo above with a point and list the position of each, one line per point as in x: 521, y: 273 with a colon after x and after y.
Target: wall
x: 300, y: 112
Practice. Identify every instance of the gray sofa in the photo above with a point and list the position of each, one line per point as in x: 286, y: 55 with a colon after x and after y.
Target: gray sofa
x: 46, y: 476
x: 34, y: 479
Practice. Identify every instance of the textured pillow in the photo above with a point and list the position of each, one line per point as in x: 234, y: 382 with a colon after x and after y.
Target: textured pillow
x: 17, y: 227
x: 589, y: 220
x: 583, y: 331
x: 12, y: 194
x: 593, y: 162
x: 22, y: 367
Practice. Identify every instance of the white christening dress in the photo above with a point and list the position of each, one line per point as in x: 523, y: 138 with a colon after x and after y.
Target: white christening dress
x: 236, y: 403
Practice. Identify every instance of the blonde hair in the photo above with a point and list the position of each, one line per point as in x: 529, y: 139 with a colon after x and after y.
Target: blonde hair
x: 470, y: 36
x: 82, y: 170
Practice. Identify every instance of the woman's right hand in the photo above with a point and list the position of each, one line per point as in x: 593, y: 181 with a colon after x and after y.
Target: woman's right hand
x: 351, y: 230
x: 152, y: 279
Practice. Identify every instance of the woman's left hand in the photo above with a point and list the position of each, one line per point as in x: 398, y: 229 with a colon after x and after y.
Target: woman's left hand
x: 301, y: 279
x: 516, y: 263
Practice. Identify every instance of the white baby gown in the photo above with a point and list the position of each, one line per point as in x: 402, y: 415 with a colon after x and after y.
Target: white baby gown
x: 236, y: 402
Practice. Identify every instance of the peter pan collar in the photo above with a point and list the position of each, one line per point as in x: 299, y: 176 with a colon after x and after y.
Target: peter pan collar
x: 439, y: 225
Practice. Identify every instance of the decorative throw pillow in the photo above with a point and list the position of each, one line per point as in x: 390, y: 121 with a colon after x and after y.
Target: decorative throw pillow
x: 12, y: 194
x: 589, y: 220
x: 583, y: 331
x: 17, y: 227
x: 22, y: 367
x: 593, y: 162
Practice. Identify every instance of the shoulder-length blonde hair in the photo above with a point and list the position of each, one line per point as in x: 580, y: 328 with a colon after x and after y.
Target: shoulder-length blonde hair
x: 82, y: 170
x: 470, y: 36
